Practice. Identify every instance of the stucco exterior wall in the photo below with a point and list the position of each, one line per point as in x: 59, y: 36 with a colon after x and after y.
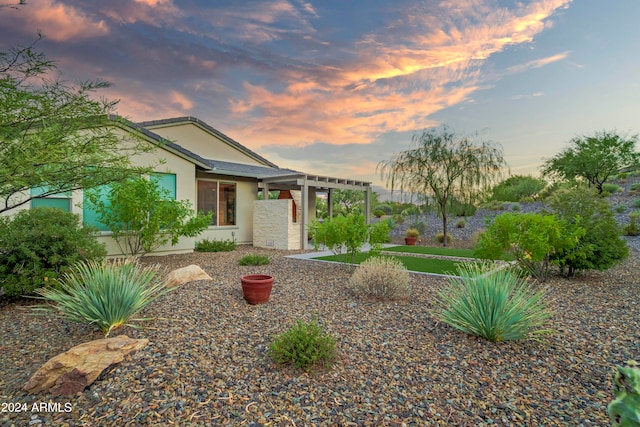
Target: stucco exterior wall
x: 273, y: 225
x: 194, y: 138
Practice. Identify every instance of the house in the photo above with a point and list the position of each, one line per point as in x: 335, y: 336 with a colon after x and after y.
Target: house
x: 215, y: 173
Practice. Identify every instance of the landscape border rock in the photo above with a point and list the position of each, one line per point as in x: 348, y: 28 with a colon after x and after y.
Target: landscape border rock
x: 76, y: 369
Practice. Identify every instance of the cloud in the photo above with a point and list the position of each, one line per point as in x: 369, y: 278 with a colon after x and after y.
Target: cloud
x: 537, y: 63
x: 428, y: 59
x: 57, y: 21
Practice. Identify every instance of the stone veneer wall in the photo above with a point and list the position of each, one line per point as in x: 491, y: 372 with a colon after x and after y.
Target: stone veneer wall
x: 273, y: 225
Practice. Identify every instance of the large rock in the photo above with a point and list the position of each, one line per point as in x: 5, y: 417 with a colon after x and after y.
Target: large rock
x: 187, y: 274
x: 73, y: 371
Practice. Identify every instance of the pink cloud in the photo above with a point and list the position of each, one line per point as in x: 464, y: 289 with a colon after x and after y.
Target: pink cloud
x: 62, y: 22
x: 400, y: 76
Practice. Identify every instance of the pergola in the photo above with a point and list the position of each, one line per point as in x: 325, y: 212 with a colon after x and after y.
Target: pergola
x: 304, y: 182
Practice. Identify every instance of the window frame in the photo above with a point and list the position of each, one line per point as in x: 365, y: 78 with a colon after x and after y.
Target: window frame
x: 216, y: 217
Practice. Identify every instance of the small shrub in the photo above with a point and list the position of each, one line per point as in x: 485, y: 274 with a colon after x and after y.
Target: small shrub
x: 381, y: 278
x: 420, y: 226
x: 620, y: 208
x: 254, y: 259
x: 214, y: 245
x: 385, y: 208
x: 633, y: 228
x: 636, y: 203
x: 461, y: 223
x: 440, y: 238
x: 635, y: 187
x: 412, y: 232
x: 106, y: 295
x: 304, y: 345
x: 38, y: 245
x: 611, y: 188
x: 496, y: 305
x: 515, y: 206
x: 527, y: 199
x: 378, y: 213
x: 494, y: 205
x: 398, y: 218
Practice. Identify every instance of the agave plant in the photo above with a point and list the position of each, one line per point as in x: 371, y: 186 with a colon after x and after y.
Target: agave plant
x: 107, y: 295
x: 496, y: 304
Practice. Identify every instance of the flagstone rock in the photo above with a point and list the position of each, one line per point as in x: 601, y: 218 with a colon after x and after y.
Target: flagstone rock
x: 74, y: 370
x: 187, y: 274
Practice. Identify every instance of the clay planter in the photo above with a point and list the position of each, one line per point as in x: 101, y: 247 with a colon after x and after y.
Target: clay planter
x: 410, y: 241
x: 256, y: 288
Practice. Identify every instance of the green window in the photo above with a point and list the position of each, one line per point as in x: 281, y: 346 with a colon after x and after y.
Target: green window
x: 58, y: 200
x: 90, y: 217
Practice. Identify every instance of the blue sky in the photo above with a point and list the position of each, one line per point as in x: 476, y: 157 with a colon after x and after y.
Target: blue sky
x: 332, y: 87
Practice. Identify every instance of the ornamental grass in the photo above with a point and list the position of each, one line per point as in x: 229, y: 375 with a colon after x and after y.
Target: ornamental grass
x: 106, y: 295
x: 497, y: 305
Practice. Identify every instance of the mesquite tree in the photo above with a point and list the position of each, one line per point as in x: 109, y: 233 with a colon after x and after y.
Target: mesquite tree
x: 56, y: 136
x: 445, y: 166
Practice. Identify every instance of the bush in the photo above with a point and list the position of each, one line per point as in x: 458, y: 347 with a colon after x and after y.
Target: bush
x: 398, y: 218
x: 457, y: 208
x: 601, y: 246
x: 378, y: 213
x: 633, y: 228
x: 620, y: 208
x: 636, y: 203
x: 304, y: 345
x: 412, y: 232
x: 494, y: 205
x: 420, y: 226
x: 440, y: 238
x: 384, y: 208
x: 532, y: 238
x: 381, y: 278
x: 340, y: 234
x: 496, y: 305
x: 635, y: 187
x: 254, y: 259
x: 517, y: 187
x: 38, y: 245
x: 207, y: 245
x: 515, y: 206
x: 461, y: 223
x: 142, y: 216
x: 106, y: 295
x: 611, y: 188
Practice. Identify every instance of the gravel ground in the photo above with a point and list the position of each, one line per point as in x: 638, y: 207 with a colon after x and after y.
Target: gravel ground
x: 207, y: 362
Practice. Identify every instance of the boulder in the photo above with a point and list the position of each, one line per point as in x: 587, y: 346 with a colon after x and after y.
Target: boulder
x: 187, y: 274
x: 76, y: 369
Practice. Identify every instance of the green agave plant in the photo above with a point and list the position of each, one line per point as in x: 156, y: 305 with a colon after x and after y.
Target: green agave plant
x: 107, y: 295
x: 497, y: 305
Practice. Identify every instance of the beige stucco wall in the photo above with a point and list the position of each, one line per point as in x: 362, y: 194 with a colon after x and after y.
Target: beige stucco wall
x: 194, y: 138
x: 273, y: 225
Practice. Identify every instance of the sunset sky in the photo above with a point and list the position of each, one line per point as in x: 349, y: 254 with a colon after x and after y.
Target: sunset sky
x: 332, y: 87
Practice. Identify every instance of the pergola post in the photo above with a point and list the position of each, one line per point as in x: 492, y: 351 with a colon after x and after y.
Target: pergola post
x: 330, y: 203
x: 367, y: 196
x: 305, y: 215
x: 265, y: 191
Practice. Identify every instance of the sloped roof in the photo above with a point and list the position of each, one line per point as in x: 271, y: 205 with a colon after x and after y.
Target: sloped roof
x: 253, y: 171
x: 213, y: 131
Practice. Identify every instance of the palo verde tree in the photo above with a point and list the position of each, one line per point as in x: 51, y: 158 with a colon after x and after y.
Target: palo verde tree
x: 55, y: 136
x: 594, y: 158
x: 445, y: 166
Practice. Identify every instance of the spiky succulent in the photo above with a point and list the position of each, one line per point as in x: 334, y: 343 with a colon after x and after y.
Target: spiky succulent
x: 624, y: 410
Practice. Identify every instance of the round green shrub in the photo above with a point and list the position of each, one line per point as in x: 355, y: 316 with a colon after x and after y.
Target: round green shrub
x: 304, y: 345
x: 39, y: 245
x: 378, y: 213
x: 461, y: 223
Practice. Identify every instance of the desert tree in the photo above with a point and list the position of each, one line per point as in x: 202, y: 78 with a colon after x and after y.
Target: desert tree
x: 446, y: 166
x: 594, y: 158
x: 56, y: 136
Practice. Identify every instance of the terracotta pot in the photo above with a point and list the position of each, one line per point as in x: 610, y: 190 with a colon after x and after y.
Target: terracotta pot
x: 256, y: 288
x: 410, y: 241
